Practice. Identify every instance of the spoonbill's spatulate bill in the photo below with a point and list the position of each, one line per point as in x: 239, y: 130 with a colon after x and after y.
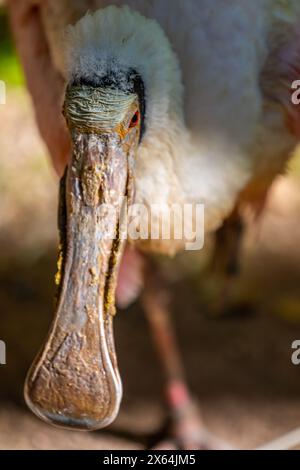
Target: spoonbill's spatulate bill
x: 75, y: 379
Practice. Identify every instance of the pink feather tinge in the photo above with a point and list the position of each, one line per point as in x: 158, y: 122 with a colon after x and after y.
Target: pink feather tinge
x: 130, y: 278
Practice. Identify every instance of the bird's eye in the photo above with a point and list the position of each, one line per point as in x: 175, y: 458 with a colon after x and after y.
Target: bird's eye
x: 135, y: 120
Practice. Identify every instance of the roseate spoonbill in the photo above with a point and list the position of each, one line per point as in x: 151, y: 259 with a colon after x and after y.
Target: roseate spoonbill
x: 181, y: 103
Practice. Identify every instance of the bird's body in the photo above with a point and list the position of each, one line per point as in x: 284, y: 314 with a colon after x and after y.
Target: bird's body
x: 219, y: 125
x: 236, y: 137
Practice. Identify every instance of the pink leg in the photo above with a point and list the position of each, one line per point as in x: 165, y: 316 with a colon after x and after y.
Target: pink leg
x: 187, y: 430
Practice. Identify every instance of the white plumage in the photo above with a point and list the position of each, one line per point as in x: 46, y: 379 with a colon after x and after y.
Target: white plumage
x: 207, y: 139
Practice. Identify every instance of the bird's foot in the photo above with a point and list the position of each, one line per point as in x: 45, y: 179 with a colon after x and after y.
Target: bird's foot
x: 186, y: 430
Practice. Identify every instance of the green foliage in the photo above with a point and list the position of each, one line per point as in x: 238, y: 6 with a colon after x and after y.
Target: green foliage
x: 10, y: 69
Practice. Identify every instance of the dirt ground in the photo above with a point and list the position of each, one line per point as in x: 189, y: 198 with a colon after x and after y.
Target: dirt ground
x: 239, y: 366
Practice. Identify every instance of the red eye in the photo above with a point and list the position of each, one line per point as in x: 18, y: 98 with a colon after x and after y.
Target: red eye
x: 135, y: 120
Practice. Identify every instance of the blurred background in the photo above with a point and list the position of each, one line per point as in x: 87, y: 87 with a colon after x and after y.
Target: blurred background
x: 239, y: 365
